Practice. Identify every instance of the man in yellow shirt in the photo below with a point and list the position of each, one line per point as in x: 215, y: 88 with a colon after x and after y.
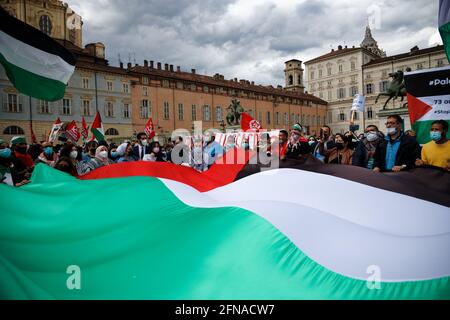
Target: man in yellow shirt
x: 437, y: 151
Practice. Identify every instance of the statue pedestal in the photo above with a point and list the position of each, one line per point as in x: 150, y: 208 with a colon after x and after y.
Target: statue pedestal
x: 233, y: 129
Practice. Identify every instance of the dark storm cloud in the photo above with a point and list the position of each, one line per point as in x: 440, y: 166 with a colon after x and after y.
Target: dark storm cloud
x: 248, y: 38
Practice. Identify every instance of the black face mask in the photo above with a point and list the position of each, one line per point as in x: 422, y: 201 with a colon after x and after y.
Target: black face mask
x: 339, y: 145
x: 21, y: 150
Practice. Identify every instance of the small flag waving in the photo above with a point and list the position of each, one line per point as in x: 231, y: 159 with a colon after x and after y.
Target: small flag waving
x: 55, y: 130
x: 149, y: 129
x: 428, y: 99
x: 444, y: 25
x: 36, y: 65
x: 248, y: 123
x: 72, y: 132
x: 97, y: 128
x: 84, y: 129
x: 358, y: 103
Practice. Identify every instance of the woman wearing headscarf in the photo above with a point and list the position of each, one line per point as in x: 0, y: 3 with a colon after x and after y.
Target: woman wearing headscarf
x: 101, y: 158
x: 125, y: 152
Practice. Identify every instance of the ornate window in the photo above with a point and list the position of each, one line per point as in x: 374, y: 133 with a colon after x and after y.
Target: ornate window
x: 13, y: 130
x: 112, y: 132
x: 45, y: 24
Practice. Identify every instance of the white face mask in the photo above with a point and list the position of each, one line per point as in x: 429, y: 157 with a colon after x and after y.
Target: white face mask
x: 155, y: 150
x: 103, y: 154
x: 144, y: 142
x: 391, y: 131
x: 372, y: 136
x: 74, y: 154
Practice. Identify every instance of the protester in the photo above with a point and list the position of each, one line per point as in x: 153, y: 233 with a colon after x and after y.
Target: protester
x: 312, y: 141
x: 113, y: 155
x: 325, y: 143
x: 212, y: 150
x: 341, y: 153
x: 197, y: 160
x: 397, y: 151
x: 365, y: 150
x: 298, y: 144
x: 101, y: 158
x: 437, y: 151
x: 155, y: 153
x: 230, y: 143
x: 142, y: 147
x: 22, y: 161
x: 66, y: 165
x: 8, y: 173
x: 264, y: 144
x: 74, y: 154
x: 90, y: 148
x: 125, y: 151
x: 48, y: 155
x: 283, y: 141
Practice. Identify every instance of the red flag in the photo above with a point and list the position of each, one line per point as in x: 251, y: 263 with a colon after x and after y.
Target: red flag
x: 248, y: 123
x: 72, y: 132
x: 149, y: 129
x: 84, y: 129
x: 33, y: 136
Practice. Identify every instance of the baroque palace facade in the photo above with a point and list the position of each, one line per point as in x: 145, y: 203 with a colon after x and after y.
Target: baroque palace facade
x: 340, y: 74
x: 127, y: 96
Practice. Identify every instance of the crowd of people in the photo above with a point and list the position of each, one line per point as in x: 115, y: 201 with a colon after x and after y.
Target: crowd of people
x: 394, y: 150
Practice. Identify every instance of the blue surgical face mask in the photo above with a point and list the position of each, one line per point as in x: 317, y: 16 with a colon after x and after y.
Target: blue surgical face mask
x: 48, y: 151
x: 114, y: 154
x: 311, y: 142
x: 435, y: 135
x: 5, y: 153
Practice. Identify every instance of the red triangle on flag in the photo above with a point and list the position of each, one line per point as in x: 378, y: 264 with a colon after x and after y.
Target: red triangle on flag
x: 417, y: 108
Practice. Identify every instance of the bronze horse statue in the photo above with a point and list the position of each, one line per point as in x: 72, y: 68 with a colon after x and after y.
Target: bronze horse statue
x: 396, y: 88
x: 234, y: 114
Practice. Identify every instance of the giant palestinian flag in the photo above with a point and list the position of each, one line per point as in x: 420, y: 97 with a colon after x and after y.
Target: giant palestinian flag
x: 238, y: 231
x: 428, y: 94
x: 36, y: 65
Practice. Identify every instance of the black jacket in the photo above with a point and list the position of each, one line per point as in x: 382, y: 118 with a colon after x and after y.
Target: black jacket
x: 136, y: 154
x: 408, y: 152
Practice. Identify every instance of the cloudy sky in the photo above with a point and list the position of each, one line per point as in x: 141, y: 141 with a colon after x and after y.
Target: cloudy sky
x: 250, y: 39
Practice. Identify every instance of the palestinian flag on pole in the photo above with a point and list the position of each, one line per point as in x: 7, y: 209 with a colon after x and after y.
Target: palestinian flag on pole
x: 428, y: 94
x: 55, y: 130
x: 36, y: 65
x: 222, y: 235
x: 444, y: 25
x: 97, y: 128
